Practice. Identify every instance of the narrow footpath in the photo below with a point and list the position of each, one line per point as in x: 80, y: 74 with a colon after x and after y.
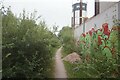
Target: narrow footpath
x: 60, y: 71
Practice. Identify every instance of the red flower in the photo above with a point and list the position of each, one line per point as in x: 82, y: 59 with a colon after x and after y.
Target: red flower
x: 90, y: 32
x: 105, y: 27
x: 108, y: 33
x: 83, y: 34
x: 93, y: 29
x: 99, y: 40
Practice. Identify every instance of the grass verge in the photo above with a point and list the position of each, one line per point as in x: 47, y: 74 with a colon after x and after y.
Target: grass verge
x: 79, y: 70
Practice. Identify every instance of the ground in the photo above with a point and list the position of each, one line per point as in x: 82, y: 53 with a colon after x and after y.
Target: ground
x: 60, y: 71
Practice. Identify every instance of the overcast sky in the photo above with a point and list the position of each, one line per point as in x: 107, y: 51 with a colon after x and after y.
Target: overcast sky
x: 57, y: 12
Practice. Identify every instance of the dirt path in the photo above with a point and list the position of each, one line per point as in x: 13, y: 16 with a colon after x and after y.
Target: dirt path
x: 60, y: 71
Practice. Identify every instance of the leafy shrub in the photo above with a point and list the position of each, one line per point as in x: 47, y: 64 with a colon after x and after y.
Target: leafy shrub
x: 67, y: 39
x: 27, y: 47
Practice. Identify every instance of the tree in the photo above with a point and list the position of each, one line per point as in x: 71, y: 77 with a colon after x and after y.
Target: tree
x: 27, y: 47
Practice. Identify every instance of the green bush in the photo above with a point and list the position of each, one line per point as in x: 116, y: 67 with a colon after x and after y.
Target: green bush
x: 67, y: 39
x: 27, y: 47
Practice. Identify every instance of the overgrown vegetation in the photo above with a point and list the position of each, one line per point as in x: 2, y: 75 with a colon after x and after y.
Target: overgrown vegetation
x: 96, y: 69
x: 27, y: 48
x: 67, y: 40
x: 99, y: 51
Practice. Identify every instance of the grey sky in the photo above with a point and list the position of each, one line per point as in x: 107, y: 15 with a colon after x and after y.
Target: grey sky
x: 52, y: 11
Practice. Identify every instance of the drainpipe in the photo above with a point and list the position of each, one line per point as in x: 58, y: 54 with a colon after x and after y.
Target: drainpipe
x: 80, y: 12
x: 74, y: 18
x: 97, y: 10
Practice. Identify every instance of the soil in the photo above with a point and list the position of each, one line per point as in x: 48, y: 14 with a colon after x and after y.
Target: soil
x: 60, y: 71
